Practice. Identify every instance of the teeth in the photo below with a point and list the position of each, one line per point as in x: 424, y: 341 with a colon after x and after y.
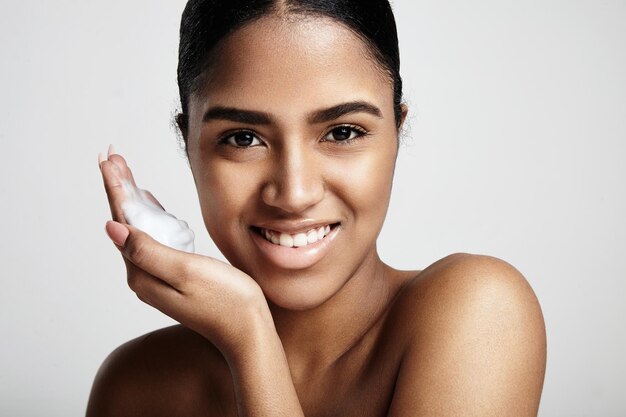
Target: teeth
x: 286, y: 240
x: 298, y: 240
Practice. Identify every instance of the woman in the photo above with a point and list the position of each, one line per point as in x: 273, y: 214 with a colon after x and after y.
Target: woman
x: 291, y: 112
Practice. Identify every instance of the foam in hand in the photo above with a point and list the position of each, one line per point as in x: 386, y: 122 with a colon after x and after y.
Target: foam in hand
x: 143, y: 213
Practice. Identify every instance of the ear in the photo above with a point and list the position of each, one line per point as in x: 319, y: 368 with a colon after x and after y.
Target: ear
x: 405, y: 111
x: 182, y: 123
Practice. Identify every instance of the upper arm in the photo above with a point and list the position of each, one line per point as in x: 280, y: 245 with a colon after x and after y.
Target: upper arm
x: 478, y: 344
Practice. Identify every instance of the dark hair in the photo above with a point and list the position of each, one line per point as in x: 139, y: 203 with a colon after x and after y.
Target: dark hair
x: 206, y: 22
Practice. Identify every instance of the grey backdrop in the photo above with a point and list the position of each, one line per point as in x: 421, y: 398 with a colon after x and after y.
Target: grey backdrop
x: 516, y: 149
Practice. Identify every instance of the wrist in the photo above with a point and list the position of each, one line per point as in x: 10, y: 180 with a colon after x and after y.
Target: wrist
x: 257, y: 336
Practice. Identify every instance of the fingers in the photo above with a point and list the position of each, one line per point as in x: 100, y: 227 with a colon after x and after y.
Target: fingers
x: 148, y: 288
x: 115, y: 173
x: 160, y: 261
x: 114, y: 187
x: 117, y: 232
x: 174, y: 267
x: 151, y: 290
x: 170, y: 265
x: 148, y: 263
x: 124, y: 170
x: 148, y: 195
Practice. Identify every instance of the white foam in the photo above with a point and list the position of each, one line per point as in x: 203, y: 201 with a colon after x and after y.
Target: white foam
x: 141, y: 212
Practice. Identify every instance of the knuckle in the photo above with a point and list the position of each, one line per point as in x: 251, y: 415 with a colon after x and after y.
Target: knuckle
x: 143, y: 297
x: 134, y: 282
x: 186, y: 272
x: 137, y: 251
x: 140, y: 285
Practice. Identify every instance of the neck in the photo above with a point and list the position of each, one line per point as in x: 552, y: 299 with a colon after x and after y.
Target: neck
x: 314, y: 339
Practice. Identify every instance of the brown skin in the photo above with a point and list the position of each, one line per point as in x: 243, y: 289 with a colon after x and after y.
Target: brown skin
x: 347, y: 335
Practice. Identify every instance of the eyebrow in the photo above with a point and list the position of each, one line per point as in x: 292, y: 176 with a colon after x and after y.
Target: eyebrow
x: 237, y: 115
x: 261, y: 118
x: 342, y: 109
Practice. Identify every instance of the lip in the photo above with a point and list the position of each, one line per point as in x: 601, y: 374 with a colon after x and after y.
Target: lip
x: 295, y: 258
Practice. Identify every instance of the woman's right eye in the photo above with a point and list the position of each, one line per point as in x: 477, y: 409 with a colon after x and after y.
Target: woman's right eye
x: 242, y: 139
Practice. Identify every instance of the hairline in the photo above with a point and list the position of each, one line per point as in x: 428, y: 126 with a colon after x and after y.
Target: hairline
x: 288, y: 13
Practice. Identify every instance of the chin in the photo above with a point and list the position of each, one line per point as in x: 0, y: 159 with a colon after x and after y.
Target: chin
x: 299, y: 290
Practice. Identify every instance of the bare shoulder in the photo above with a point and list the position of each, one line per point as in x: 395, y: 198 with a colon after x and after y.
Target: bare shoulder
x: 476, y: 283
x: 171, y: 371
x: 474, y: 340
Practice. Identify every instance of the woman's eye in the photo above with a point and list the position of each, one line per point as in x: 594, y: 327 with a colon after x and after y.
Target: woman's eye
x: 242, y: 139
x: 343, y: 134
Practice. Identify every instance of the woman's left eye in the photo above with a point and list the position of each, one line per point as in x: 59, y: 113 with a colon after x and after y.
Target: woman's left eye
x: 344, y: 134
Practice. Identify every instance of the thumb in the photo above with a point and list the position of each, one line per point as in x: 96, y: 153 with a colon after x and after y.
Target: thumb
x: 117, y: 232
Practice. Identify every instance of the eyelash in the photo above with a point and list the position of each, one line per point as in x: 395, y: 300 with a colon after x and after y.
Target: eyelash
x: 361, y: 133
x: 224, y: 139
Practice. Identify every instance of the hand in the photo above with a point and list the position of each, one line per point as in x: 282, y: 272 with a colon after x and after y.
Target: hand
x: 210, y: 297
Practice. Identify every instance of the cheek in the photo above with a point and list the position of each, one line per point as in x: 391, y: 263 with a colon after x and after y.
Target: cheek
x: 226, y: 190
x: 365, y: 182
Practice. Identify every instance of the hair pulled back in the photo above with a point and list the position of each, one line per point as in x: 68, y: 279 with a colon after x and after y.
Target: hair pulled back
x: 206, y: 22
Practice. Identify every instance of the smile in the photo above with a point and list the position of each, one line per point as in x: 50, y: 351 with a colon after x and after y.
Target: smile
x: 297, y: 240
x: 296, y: 250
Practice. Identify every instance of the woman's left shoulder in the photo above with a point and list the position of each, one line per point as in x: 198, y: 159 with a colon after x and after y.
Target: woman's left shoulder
x: 477, y: 283
x: 479, y: 324
x: 462, y: 296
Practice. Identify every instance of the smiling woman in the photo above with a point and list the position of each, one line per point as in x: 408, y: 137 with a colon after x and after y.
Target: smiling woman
x: 291, y: 112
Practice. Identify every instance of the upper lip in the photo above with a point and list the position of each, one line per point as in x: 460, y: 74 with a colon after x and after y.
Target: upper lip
x: 294, y: 227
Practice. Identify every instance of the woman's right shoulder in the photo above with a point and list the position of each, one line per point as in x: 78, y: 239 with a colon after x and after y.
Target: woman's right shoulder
x: 171, y: 371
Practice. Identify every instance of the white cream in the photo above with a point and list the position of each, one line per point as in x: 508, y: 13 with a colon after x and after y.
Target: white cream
x: 141, y: 212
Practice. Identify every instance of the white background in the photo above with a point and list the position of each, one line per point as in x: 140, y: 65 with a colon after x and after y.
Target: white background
x: 516, y: 149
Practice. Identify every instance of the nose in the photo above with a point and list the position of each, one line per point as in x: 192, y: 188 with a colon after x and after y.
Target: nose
x: 296, y: 182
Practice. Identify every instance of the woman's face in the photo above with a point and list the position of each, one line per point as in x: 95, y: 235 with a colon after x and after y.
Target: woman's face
x: 293, y: 134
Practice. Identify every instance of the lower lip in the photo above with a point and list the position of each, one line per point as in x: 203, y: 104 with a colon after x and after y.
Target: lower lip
x: 296, y: 257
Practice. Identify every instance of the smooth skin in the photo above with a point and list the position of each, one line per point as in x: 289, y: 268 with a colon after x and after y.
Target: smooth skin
x: 345, y: 334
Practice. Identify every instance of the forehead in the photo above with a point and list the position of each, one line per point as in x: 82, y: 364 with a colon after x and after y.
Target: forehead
x: 294, y: 64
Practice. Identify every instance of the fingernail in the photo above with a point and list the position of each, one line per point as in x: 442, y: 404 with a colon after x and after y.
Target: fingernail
x: 117, y: 232
x: 101, y: 159
x: 111, y: 150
